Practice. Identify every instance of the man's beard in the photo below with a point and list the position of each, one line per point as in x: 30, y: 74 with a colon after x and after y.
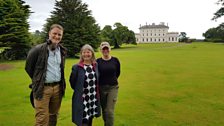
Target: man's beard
x: 53, y: 46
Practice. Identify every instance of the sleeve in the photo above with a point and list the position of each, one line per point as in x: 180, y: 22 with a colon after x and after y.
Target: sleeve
x: 97, y: 60
x: 73, y: 76
x: 118, y: 71
x: 31, y: 62
x: 97, y: 71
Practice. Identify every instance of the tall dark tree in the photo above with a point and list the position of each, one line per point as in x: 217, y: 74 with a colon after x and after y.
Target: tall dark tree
x: 79, y: 26
x: 219, y: 13
x: 14, y: 35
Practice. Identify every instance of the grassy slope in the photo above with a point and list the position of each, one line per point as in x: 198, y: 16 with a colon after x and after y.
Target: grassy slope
x: 160, y: 84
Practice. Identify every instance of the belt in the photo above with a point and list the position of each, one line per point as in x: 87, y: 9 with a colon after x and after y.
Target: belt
x: 51, y: 84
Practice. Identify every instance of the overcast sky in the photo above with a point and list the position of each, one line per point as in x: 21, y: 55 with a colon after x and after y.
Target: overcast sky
x: 190, y: 16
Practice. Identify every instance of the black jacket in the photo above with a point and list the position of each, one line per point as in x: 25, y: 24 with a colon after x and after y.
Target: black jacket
x: 77, y: 79
x: 36, y: 67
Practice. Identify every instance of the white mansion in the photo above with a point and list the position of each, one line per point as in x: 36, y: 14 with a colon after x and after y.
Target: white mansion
x: 155, y: 33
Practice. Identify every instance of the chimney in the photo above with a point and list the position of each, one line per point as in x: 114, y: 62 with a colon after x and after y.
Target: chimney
x: 162, y: 23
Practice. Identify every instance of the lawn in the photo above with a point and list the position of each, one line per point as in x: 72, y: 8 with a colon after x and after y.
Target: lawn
x: 172, y: 84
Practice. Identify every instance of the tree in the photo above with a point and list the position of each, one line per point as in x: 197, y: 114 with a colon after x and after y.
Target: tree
x: 210, y: 33
x: 14, y: 35
x: 106, y: 33
x: 116, y: 37
x: 130, y: 38
x: 37, y: 37
x: 79, y: 26
x: 215, y: 34
x: 183, y: 37
x: 219, y: 13
x: 220, y: 31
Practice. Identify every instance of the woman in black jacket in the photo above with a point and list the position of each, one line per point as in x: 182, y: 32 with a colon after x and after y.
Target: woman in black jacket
x: 84, y: 82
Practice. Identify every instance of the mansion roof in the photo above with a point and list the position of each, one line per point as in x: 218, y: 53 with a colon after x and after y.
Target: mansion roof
x: 153, y: 26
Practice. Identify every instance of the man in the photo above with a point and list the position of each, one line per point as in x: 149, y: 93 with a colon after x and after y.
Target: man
x: 45, y: 66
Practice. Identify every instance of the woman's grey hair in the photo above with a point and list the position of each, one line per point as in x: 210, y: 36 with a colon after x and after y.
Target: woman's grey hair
x: 90, y: 48
x: 56, y: 26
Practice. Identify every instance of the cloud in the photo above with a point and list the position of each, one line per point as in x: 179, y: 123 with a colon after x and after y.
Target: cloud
x: 41, y: 11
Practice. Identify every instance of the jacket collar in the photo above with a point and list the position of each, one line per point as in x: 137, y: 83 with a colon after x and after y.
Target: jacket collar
x: 81, y: 64
x: 62, y: 48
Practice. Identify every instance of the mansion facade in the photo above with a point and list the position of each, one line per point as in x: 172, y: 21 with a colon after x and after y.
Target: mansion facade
x: 156, y: 34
